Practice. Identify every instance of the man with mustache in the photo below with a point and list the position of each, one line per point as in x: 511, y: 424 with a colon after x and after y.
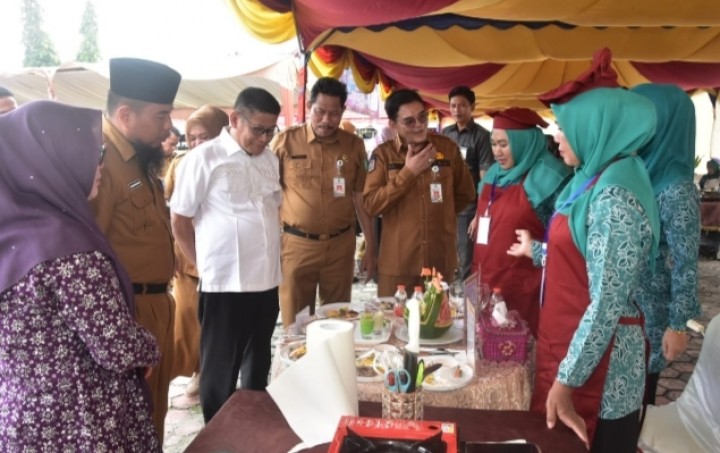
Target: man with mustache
x: 130, y: 206
x: 322, y: 171
x: 419, y: 183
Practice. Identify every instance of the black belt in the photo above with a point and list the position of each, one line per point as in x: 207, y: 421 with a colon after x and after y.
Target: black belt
x: 149, y: 288
x: 314, y: 237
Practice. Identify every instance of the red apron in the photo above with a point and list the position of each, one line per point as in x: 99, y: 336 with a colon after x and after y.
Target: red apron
x: 518, y: 278
x: 566, y: 298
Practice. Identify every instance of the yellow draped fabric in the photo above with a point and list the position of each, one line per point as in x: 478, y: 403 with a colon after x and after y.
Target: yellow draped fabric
x: 262, y: 22
x: 537, y: 55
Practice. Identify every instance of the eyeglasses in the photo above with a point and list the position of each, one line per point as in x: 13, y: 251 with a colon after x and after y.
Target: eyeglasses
x: 102, y: 154
x: 317, y: 111
x: 260, y: 130
x: 412, y: 121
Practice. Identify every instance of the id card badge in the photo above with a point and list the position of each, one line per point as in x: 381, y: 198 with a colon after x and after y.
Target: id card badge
x: 483, y: 232
x: 463, y: 151
x: 339, y: 187
x: 436, y: 195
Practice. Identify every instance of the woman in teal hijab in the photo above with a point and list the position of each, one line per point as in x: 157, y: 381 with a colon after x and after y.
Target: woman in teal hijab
x: 668, y: 293
x: 590, y: 368
x: 517, y: 192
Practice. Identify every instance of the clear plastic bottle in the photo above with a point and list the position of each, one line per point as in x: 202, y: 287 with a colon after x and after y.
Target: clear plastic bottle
x: 400, y: 300
x: 418, y: 294
x: 496, y: 297
x: 457, y: 296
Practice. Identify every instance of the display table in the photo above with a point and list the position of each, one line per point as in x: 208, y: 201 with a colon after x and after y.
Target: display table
x: 251, y: 422
x: 495, y: 386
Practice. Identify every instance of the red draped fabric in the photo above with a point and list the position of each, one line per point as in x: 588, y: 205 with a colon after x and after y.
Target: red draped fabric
x: 686, y: 75
x: 354, y: 13
x: 435, y: 80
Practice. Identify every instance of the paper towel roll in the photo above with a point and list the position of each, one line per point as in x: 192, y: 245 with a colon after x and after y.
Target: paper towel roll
x: 340, y: 337
x: 320, y: 387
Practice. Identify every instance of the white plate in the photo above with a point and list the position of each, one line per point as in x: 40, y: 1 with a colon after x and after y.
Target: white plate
x: 386, y: 304
x: 384, y: 336
x: 443, y: 380
x: 286, y: 352
x: 451, y: 336
x: 377, y: 377
x: 331, y: 311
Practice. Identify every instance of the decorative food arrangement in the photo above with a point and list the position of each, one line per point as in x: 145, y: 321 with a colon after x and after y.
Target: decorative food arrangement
x: 435, y: 314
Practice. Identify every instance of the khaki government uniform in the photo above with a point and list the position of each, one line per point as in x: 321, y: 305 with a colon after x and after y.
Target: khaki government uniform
x: 186, y: 354
x: 130, y: 209
x: 308, y: 166
x: 416, y: 233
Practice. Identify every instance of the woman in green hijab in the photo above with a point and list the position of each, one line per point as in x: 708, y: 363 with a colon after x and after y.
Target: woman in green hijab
x: 590, y: 369
x: 668, y: 293
x: 517, y: 192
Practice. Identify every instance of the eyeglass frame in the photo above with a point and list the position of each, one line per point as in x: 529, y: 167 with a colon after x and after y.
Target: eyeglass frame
x: 423, y: 118
x: 259, y: 131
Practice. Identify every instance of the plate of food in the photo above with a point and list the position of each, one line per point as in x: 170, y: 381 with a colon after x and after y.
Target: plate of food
x: 386, y: 304
x: 451, y: 336
x: 339, y: 310
x: 451, y: 375
x: 290, y: 352
x: 364, y: 360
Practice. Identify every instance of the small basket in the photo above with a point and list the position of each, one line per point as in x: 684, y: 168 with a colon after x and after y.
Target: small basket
x: 402, y: 406
x: 501, y: 344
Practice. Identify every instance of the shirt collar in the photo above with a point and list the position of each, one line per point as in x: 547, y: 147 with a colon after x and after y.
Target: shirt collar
x: 228, y: 143
x: 114, y: 136
x: 469, y: 127
x: 311, y: 137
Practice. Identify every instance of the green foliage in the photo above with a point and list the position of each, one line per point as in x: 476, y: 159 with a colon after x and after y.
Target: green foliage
x: 698, y: 159
x: 89, y: 49
x: 39, y: 49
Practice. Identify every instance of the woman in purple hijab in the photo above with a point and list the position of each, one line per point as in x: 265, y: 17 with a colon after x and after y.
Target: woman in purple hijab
x: 71, y: 355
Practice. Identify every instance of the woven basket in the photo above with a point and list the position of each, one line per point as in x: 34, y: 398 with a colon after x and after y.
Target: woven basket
x: 501, y: 344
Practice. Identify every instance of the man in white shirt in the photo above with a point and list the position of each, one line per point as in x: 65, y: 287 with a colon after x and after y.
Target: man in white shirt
x: 225, y: 217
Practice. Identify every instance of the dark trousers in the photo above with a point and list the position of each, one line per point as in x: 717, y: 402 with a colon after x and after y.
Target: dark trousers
x: 617, y: 436
x: 651, y: 383
x: 235, y: 334
x: 465, y: 245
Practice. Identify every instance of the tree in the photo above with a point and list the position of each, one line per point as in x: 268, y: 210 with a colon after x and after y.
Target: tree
x: 39, y: 49
x: 89, y: 49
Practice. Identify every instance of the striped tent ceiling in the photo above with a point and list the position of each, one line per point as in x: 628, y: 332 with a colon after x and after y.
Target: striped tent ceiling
x: 508, y: 51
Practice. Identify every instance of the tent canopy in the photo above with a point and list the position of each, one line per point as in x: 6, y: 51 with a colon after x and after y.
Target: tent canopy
x: 508, y: 51
x: 87, y: 84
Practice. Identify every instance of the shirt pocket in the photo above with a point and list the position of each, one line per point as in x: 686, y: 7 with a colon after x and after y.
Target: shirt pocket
x: 298, y: 173
x: 141, y: 202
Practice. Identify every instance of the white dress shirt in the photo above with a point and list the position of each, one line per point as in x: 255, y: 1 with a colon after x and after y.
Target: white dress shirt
x: 234, y: 200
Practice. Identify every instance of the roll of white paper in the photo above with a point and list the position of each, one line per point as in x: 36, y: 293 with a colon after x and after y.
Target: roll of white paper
x: 340, y: 338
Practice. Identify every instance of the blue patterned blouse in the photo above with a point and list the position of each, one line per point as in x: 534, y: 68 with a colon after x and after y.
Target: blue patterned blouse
x: 618, y: 244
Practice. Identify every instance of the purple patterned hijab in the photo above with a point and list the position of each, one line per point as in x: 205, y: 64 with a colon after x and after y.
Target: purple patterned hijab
x: 48, y: 156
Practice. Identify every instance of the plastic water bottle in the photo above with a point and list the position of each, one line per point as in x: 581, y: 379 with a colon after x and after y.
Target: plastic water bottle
x: 418, y: 294
x: 496, y: 297
x: 457, y: 296
x: 400, y: 300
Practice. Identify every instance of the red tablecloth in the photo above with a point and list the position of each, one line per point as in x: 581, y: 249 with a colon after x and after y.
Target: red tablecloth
x: 251, y: 422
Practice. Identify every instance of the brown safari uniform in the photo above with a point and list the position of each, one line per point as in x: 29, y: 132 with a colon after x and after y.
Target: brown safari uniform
x: 186, y: 353
x: 318, y: 243
x: 416, y: 232
x: 130, y: 209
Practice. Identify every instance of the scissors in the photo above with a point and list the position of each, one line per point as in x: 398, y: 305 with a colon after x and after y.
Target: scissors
x: 397, y: 380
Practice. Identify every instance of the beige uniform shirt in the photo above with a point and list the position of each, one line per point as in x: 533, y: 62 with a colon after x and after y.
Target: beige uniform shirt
x: 308, y: 168
x: 131, y: 210
x: 417, y: 232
